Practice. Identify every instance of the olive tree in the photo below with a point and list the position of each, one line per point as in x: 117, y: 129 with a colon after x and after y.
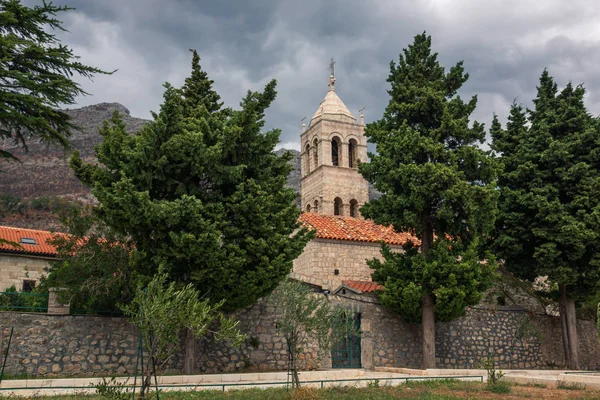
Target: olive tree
x: 303, y: 316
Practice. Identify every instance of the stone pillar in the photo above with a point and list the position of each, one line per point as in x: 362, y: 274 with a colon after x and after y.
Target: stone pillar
x: 345, y: 156
x: 345, y: 209
x: 326, y: 152
x: 54, y: 306
x: 366, y: 344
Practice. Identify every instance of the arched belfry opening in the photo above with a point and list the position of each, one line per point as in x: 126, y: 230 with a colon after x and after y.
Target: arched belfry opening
x: 338, y: 206
x: 352, y: 153
x: 336, y: 151
x: 353, y: 208
x: 315, y: 153
x: 306, y: 159
x: 316, y: 205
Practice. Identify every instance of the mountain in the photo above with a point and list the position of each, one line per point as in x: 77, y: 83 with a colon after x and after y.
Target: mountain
x: 36, y: 190
x: 44, y: 169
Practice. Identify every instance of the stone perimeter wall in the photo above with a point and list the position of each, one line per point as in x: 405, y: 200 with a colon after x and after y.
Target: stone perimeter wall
x: 45, y: 345
x: 514, y: 337
x: 71, y: 345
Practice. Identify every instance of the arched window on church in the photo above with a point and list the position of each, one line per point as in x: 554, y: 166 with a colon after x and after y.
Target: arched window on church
x: 353, y: 208
x: 307, y: 159
x: 315, y: 153
x: 316, y: 206
x: 352, y: 153
x: 308, y: 208
x: 338, y: 206
x: 336, y: 149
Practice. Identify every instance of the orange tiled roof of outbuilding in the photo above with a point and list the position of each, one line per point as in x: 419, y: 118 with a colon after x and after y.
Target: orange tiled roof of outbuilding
x: 363, y: 286
x: 15, y: 235
x: 325, y: 226
x: 353, y: 229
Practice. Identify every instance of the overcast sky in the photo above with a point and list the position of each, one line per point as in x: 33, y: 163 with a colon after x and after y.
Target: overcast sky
x: 505, y: 45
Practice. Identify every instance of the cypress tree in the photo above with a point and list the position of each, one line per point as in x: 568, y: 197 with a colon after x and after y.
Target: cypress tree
x: 436, y: 182
x: 201, y: 192
x: 549, y: 220
x: 36, y: 73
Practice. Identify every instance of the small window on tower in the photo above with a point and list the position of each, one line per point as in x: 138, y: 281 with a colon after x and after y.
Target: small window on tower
x: 308, y: 208
x: 316, y: 206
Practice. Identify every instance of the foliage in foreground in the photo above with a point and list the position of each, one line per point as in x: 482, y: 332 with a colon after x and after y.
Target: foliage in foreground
x: 201, y: 192
x: 436, y: 182
x: 549, y: 219
x: 425, y: 390
x: 36, y: 71
x: 303, y: 316
x: 162, y: 312
x: 94, y: 266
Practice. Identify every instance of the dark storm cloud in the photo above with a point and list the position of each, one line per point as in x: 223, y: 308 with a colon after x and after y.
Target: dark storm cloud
x: 505, y: 45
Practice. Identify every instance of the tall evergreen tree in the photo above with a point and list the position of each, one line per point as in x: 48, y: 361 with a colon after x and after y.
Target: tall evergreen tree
x: 201, y: 192
x: 549, y: 220
x: 435, y: 182
x: 36, y: 75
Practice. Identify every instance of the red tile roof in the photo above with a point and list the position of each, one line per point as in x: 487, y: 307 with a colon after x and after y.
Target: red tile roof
x: 16, y: 234
x: 355, y: 229
x: 363, y: 286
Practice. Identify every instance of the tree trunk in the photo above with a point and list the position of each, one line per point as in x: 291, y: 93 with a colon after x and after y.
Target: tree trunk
x: 427, y: 306
x: 293, y: 362
x: 147, y: 381
x: 189, y: 352
x: 564, y: 331
x: 428, y: 326
x: 568, y: 320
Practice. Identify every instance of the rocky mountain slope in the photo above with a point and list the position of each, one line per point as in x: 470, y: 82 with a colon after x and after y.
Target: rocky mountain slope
x: 34, y: 191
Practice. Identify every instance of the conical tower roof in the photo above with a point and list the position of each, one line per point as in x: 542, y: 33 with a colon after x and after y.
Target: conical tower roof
x: 332, y: 107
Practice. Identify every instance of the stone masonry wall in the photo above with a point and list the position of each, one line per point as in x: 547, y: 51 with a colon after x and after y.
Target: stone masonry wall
x: 322, y: 257
x: 515, y: 338
x: 16, y: 268
x: 46, y: 345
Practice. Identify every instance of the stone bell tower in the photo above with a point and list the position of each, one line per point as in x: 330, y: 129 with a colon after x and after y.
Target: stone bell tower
x: 332, y: 147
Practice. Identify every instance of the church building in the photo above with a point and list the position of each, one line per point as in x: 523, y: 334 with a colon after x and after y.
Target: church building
x: 332, y: 192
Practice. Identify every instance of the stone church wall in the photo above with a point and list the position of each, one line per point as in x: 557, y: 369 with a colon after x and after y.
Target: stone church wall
x: 322, y: 257
x: 45, y: 345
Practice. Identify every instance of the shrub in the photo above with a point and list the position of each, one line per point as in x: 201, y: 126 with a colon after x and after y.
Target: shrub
x: 500, y: 387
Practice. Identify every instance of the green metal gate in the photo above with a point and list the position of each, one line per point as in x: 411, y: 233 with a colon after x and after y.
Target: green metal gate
x: 346, y: 354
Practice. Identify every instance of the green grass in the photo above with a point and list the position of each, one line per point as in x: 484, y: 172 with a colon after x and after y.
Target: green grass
x: 423, y: 390
x: 341, y: 393
x: 500, y: 387
x: 570, y: 386
x: 22, y: 375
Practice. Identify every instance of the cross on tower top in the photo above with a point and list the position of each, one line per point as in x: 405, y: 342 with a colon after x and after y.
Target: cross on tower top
x: 332, y: 74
